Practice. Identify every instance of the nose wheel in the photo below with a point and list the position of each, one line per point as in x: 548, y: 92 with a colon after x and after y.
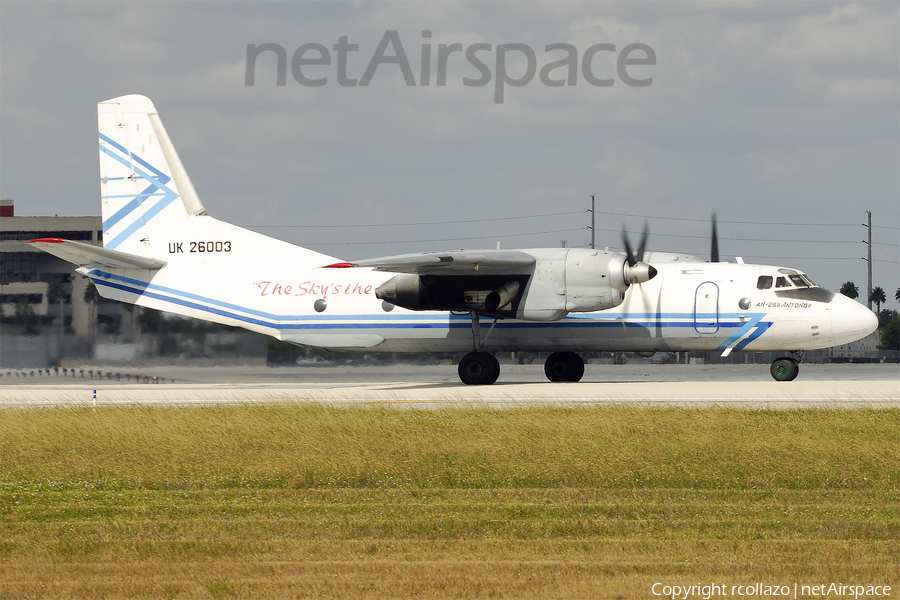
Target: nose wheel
x: 784, y: 369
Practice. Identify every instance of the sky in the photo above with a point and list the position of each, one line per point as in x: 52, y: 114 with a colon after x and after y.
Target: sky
x: 783, y: 118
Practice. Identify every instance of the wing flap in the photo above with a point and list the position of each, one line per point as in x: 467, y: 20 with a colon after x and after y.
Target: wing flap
x: 87, y: 255
x: 447, y: 263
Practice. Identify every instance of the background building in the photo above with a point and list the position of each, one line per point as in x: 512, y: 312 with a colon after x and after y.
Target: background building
x: 50, y: 314
x: 40, y: 290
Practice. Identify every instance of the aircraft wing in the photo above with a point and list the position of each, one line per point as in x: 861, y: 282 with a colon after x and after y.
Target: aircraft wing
x: 88, y: 255
x: 461, y: 262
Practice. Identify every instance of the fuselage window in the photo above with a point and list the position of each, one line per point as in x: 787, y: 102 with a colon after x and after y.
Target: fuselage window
x: 782, y: 282
x: 764, y: 282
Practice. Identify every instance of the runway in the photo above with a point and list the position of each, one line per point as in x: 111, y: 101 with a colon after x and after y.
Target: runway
x: 436, y: 386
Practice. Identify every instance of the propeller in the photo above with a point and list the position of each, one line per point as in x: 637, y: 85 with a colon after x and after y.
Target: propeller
x: 714, y: 248
x: 637, y: 271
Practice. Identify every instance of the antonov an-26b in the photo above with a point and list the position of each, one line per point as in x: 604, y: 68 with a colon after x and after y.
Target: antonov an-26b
x: 162, y: 250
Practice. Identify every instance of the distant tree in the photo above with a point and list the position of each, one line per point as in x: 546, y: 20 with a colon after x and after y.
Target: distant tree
x: 56, y: 294
x: 92, y: 298
x: 877, y: 296
x: 25, y: 316
x: 890, y: 335
x: 91, y: 295
x: 850, y: 290
x: 897, y: 295
x: 150, y: 321
x: 886, y: 316
x: 282, y: 352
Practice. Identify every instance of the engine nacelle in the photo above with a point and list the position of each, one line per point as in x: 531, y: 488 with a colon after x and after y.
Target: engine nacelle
x: 594, y: 280
x: 432, y: 292
x: 404, y: 290
x: 572, y: 280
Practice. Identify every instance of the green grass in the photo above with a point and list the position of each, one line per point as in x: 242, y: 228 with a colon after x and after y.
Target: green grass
x: 301, y: 501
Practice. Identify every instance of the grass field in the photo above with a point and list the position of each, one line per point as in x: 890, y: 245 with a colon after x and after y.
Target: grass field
x: 309, y: 501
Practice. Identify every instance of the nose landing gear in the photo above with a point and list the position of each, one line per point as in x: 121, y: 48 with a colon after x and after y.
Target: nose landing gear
x: 786, y: 368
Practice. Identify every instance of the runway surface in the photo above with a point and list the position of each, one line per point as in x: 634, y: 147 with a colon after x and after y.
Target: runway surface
x: 435, y: 386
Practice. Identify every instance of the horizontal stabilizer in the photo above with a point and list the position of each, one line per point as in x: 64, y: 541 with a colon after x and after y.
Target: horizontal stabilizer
x: 448, y: 263
x: 87, y: 255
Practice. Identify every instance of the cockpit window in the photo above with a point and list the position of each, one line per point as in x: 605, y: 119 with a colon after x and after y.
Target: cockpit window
x: 764, y: 282
x: 782, y: 282
x: 811, y: 282
x: 799, y: 281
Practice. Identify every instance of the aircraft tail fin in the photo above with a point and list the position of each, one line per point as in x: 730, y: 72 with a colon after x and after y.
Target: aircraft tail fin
x: 149, y: 205
x: 144, y: 187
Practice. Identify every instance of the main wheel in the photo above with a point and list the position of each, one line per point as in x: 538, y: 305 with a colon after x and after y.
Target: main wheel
x: 479, y: 368
x: 784, y: 369
x: 496, y: 364
x: 564, y: 366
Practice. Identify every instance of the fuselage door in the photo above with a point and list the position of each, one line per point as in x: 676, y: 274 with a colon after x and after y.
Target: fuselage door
x: 706, y: 308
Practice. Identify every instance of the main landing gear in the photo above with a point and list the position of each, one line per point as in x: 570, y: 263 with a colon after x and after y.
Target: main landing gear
x: 564, y: 366
x: 479, y: 368
x: 786, y: 368
x: 482, y: 368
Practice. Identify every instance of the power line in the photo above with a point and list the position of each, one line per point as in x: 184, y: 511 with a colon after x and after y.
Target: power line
x: 453, y: 239
x: 573, y: 212
x: 616, y: 214
x: 513, y: 218
x: 794, y: 257
x: 735, y: 239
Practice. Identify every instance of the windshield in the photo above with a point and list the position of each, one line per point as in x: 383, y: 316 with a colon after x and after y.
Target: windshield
x: 786, y: 280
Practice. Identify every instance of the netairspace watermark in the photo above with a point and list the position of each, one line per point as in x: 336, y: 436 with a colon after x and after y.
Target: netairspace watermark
x: 312, y: 64
x: 763, y: 590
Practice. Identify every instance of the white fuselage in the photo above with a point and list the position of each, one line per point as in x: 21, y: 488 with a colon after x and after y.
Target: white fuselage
x: 688, y: 306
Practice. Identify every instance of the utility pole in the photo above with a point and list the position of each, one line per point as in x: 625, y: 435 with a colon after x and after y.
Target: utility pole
x: 592, y: 222
x: 869, y: 261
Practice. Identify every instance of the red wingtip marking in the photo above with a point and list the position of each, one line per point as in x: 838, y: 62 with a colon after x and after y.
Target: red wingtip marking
x: 340, y: 265
x: 49, y: 240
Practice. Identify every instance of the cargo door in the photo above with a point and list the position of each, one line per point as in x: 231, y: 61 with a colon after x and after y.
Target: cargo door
x: 706, y: 308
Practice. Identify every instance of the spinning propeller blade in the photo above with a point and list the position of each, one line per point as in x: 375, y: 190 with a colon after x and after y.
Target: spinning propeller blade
x: 637, y: 271
x: 714, y: 249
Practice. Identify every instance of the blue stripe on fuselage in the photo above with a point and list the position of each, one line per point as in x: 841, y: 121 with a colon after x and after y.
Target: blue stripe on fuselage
x: 404, y: 321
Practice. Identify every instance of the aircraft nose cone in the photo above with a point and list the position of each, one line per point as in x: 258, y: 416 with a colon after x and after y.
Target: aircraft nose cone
x: 850, y: 320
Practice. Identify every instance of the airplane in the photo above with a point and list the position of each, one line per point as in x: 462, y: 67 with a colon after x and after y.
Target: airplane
x: 162, y: 250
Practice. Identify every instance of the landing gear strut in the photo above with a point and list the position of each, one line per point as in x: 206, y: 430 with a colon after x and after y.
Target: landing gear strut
x: 479, y: 367
x: 786, y: 368
x: 564, y: 366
